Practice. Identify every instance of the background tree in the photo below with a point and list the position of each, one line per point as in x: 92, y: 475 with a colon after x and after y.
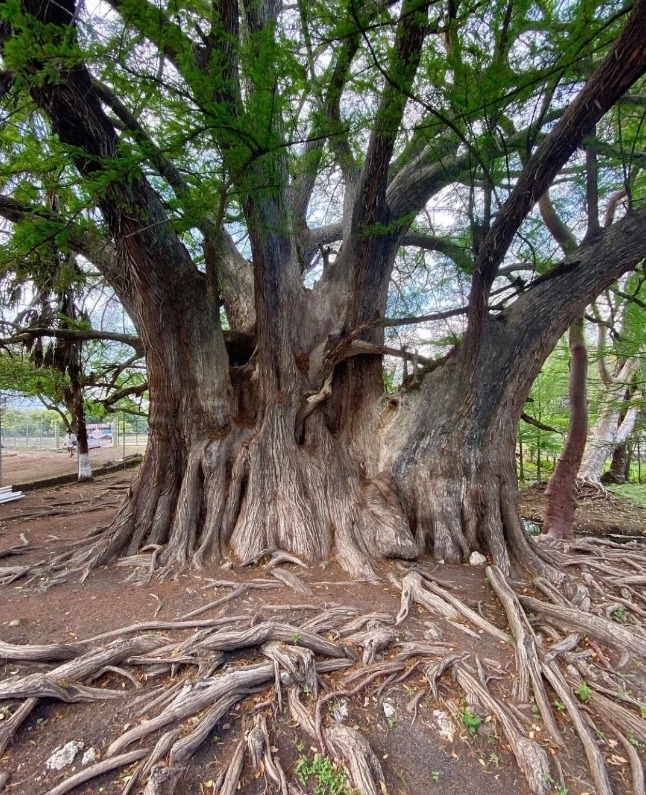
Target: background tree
x: 50, y: 291
x: 620, y: 376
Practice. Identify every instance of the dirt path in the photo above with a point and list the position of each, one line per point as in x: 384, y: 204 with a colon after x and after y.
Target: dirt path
x: 20, y: 467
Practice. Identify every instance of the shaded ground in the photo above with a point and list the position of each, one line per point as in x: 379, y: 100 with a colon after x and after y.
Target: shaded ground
x: 400, y: 721
x: 603, y: 514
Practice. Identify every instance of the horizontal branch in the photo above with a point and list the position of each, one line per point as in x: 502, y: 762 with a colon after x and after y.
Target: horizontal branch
x: 411, y: 321
x: 130, y: 391
x: 82, y: 335
x: 538, y: 424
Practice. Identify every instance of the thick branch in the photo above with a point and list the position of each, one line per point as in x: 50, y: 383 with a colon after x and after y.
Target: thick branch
x: 25, y: 334
x: 371, y: 195
x: 538, y: 424
x: 623, y: 65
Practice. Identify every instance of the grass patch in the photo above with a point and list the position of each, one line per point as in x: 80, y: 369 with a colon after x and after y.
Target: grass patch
x: 322, y: 774
x: 636, y: 492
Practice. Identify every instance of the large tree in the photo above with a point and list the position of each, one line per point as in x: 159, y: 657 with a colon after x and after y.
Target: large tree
x: 224, y: 116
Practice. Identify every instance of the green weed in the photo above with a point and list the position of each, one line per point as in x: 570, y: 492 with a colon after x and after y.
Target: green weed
x: 583, y: 692
x: 470, y: 721
x: 325, y: 777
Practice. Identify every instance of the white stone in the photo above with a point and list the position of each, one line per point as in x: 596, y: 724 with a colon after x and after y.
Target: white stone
x: 64, y: 756
x: 477, y: 559
x: 340, y: 710
x: 389, y: 710
x: 15, y: 622
x: 89, y: 757
x: 444, y: 724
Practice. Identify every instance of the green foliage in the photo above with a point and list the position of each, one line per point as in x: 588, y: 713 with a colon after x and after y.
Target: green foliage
x: 632, y: 491
x: 323, y: 774
x: 471, y: 722
x: 619, y: 615
x: 583, y: 692
x: 18, y: 374
x: 548, y: 404
x: 560, y: 789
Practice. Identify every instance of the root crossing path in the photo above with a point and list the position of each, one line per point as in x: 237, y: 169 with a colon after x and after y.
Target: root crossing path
x: 267, y: 687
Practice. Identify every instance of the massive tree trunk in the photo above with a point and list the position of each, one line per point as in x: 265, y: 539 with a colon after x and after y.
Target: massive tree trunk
x: 286, y: 450
x: 452, y: 449
x: 190, y: 432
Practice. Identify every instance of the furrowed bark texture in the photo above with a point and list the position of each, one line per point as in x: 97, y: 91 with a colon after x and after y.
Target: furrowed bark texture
x: 284, y: 450
x: 452, y: 450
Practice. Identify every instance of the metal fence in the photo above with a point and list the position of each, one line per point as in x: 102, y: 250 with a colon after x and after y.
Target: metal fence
x: 22, y: 435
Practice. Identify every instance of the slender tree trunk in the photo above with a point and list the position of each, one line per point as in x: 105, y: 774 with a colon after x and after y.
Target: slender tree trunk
x: 619, y: 466
x: 609, y: 431
x: 614, y: 423
x: 84, y: 465
x: 560, y: 504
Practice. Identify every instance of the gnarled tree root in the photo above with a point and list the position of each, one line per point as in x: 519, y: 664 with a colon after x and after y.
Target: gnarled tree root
x: 219, y: 663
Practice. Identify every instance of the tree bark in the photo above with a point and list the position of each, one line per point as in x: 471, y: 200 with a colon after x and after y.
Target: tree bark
x: 452, y: 450
x: 619, y: 466
x: 286, y: 450
x: 560, y: 495
x: 609, y: 431
x: 560, y: 504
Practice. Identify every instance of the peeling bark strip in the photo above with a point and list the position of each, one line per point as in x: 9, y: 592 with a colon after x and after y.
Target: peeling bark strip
x: 97, y: 770
x: 602, y: 629
x: 532, y: 759
x: 595, y: 758
x: 528, y: 665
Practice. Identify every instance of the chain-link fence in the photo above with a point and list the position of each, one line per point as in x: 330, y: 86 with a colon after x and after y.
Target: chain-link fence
x: 18, y: 433
x: 32, y: 446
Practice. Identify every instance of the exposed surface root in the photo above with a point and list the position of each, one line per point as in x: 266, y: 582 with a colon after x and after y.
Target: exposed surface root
x: 238, y: 676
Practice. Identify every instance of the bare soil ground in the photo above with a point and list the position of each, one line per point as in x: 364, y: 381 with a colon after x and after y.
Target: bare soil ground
x: 27, y: 466
x: 425, y: 744
x: 601, y: 514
